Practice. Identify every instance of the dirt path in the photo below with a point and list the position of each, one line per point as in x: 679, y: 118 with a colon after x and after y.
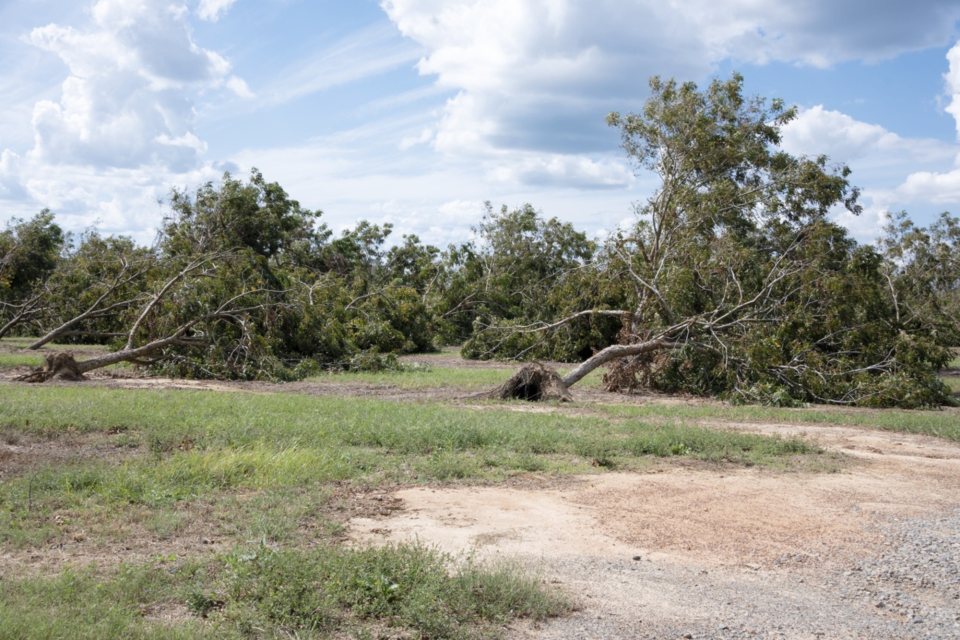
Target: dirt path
x: 872, y: 552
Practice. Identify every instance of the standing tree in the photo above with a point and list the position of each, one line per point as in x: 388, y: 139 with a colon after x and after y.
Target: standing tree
x: 735, y: 281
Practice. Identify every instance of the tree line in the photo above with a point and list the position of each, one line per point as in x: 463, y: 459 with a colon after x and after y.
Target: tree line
x: 733, y: 281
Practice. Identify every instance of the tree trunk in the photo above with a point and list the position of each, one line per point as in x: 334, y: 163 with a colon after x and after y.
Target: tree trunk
x: 612, y: 353
x: 92, y: 312
x: 62, y: 365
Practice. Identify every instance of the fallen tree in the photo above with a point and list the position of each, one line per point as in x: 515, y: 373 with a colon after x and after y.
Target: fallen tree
x: 63, y: 365
x: 92, y: 289
x: 736, y: 282
x: 236, y: 287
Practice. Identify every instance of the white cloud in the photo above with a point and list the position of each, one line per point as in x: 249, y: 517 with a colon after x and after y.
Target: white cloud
x: 239, y: 87
x: 122, y: 200
x: 938, y: 187
x: 535, y: 78
x: 10, y: 168
x: 411, y: 141
x: 463, y: 209
x: 212, y: 9
x: 932, y: 187
x: 866, y: 227
x: 952, y: 81
x: 818, y: 131
x: 541, y: 74
x: 390, y: 207
x: 187, y: 141
x: 565, y: 171
x: 360, y: 173
x: 121, y: 131
x: 528, y: 82
x: 880, y: 160
x: 128, y: 93
x: 524, y: 66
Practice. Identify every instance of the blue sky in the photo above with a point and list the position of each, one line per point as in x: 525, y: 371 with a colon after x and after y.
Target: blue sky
x: 414, y: 112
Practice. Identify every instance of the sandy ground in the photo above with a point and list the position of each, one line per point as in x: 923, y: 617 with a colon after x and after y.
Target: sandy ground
x: 701, y: 553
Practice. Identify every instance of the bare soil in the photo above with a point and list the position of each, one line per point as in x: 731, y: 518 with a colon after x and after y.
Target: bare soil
x: 725, y: 553
x: 21, y: 453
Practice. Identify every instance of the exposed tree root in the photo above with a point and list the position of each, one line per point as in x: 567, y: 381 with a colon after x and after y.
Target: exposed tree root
x: 59, y: 365
x: 535, y: 383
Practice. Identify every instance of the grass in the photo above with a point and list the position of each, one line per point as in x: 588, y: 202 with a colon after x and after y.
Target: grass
x: 21, y: 360
x: 435, y: 377
x: 272, y: 477
x: 23, y: 343
x: 201, y: 442
x: 953, y: 382
x: 260, y: 592
x: 37, y: 358
x: 943, y: 424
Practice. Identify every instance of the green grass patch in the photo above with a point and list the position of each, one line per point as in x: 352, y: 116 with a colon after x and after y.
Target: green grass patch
x: 284, y: 516
x: 23, y: 343
x: 433, y: 377
x: 445, y: 351
x: 38, y: 358
x: 953, y: 383
x: 21, y: 360
x: 944, y: 424
x: 261, y: 592
x: 17, y: 343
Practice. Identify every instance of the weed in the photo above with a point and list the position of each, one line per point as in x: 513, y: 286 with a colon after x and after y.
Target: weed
x: 201, y: 604
x: 266, y: 592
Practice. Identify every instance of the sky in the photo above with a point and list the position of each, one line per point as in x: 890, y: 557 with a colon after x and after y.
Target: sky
x: 416, y: 112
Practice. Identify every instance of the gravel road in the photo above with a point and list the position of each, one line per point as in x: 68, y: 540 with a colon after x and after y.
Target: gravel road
x: 910, y: 589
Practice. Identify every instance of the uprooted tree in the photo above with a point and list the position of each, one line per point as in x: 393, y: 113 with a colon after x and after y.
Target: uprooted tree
x: 734, y: 281
x: 213, y: 302
x: 240, y: 284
